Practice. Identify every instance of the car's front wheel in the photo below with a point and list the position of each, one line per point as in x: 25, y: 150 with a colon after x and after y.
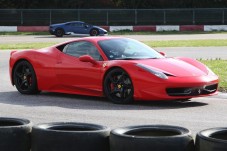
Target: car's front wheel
x: 24, y: 78
x: 59, y: 32
x: 94, y: 32
x: 118, y: 86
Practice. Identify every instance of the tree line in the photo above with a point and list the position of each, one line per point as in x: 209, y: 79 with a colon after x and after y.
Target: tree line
x: 113, y: 4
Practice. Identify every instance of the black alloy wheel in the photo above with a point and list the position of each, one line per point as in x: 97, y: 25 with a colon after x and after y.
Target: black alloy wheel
x: 24, y: 78
x: 59, y: 33
x: 118, y: 87
x: 94, y: 32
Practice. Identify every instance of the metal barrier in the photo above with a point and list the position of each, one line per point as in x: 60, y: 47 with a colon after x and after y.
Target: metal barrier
x: 44, y: 17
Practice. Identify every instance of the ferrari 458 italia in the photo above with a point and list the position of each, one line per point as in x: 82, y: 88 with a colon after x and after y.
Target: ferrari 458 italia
x: 122, y: 69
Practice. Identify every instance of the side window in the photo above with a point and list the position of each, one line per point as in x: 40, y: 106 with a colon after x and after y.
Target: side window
x: 81, y: 48
x: 77, y: 24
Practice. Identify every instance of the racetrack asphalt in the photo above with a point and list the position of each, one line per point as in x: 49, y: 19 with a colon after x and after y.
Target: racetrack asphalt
x: 196, y: 115
x: 51, y: 38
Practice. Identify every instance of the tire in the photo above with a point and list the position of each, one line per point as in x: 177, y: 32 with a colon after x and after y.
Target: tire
x: 151, y: 137
x: 70, y: 137
x: 15, y: 134
x: 118, y: 86
x: 25, y: 78
x: 59, y: 32
x: 94, y: 32
x: 214, y: 139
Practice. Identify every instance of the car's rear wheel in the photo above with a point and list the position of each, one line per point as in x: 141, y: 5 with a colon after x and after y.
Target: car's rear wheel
x: 118, y: 86
x: 59, y: 32
x: 25, y: 78
x: 94, y: 32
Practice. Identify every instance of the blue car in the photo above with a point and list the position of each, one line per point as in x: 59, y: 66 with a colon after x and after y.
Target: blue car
x: 76, y: 27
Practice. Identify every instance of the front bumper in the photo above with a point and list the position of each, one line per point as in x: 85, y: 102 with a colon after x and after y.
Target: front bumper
x: 176, y: 88
x: 51, y: 31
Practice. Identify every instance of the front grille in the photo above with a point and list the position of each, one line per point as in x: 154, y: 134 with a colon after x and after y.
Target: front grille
x: 192, y: 91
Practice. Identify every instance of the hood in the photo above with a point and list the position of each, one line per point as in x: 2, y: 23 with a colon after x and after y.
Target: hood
x: 173, y: 67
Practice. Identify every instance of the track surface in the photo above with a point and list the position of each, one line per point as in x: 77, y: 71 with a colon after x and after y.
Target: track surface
x: 198, y: 114
x: 51, y: 38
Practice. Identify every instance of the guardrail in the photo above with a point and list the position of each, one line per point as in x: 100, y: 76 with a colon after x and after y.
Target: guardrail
x: 114, y: 17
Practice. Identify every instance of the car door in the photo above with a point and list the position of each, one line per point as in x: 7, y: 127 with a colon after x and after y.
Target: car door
x: 75, y: 75
x: 79, y: 28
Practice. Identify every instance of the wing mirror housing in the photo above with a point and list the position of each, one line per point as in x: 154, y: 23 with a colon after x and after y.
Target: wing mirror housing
x: 162, y: 53
x: 87, y: 58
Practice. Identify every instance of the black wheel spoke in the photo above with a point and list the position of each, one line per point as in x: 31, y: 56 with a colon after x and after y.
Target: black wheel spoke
x: 127, y: 86
x: 112, y: 80
x: 24, y: 69
x: 114, y: 92
x: 28, y: 73
x: 123, y: 93
x: 22, y: 83
x: 122, y: 77
x: 19, y: 75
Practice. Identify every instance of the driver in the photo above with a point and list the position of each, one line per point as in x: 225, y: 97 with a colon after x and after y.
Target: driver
x: 118, y: 52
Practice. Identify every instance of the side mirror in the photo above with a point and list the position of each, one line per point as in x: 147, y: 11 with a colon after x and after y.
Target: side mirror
x: 162, y: 53
x: 87, y: 58
x: 86, y: 26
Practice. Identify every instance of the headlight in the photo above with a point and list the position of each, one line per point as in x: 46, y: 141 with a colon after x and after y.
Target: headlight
x: 210, y: 71
x: 152, y: 71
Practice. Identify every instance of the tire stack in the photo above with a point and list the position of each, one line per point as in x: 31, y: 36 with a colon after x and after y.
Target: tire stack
x: 19, y: 135
x: 70, y: 137
x: 214, y: 139
x: 15, y: 134
x: 151, y: 138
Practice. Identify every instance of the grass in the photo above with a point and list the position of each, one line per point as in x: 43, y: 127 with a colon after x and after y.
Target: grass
x: 219, y: 67
x: 169, y: 43
x: 24, y: 33
x: 188, y: 43
x: 26, y: 45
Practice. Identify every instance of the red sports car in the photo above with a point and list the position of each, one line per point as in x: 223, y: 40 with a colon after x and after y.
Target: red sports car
x: 121, y: 69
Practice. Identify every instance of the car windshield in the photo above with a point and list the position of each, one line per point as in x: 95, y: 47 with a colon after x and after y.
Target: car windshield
x: 127, y: 49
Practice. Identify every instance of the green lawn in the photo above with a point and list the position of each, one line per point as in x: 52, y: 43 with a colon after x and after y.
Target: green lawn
x: 26, y: 45
x: 188, y: 43
x: 219, y: 67
x: 169, y: 43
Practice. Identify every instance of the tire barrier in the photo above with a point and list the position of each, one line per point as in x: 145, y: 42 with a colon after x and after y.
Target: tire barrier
x: 19, y: 135
x: 214, y: 139
x: 15, y: 134
x: 151, y: 137
x: 70, y: 137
